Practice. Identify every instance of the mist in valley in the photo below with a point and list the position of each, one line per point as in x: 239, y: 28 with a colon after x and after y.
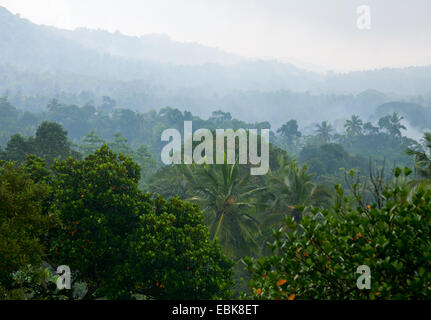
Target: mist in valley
x: 101, y: 103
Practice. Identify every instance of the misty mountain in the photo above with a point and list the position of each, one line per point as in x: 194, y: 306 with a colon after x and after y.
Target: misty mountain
x: 82, y: 66
x: 405, y: 81
x: 154, y: 58
x: 154, y: 47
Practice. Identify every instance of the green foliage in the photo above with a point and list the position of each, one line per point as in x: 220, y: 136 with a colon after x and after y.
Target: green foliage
x: 289, y: 188
x: 370, y: 129
x: 171, y: 181
x: 392, y: 124
x: 328, y: 159
x: 141, y: 156
x: 220, y: 117
x: 122, y: 244
x: 319, y: 259
x: 226, y: 197
x: 18, y: 148
x: 49, y: 143
x: 23, y: 225
x: 423, y: 158
x: 381, y: 147
x: 416, y: 113
x: 289, y: 138
x: 117, y: 241
x: 90, y: 143
x: 8, y: 114
x: 99, y: 205
x: 176, y: 259
x: 354, y: 126
x: 324, y: 131
x: 227, y: 194
x: 290, y: 129
x: 119, y: 145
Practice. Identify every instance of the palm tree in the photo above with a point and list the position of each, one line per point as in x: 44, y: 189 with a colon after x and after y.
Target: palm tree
x: 392, y: 123
x: 171, y: 181
x: 225, y: 197
x: 370, y: 129
x: 291, y: 187
x: 324, y: 131
x: 289, y: 137
x: 354, y: 126
x: 423, y: 159
x: 290, y: 130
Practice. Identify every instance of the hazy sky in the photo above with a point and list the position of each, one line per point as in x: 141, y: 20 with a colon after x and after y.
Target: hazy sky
x: 319, y: 32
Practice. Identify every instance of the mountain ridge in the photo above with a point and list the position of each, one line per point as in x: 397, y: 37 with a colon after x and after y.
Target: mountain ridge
x: 85, y: 65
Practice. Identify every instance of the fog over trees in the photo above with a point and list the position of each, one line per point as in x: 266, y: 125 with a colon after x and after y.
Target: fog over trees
x: 84, y: 116
x: 150, y: 72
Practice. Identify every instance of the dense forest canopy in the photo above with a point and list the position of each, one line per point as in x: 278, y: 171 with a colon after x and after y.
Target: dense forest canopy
x: 83, y: 185
x: 239, y: 210
x: 88, y: 127
x: 90, y: 200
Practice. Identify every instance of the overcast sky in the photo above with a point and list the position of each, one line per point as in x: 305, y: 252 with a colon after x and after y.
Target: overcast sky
x: 319, y: 32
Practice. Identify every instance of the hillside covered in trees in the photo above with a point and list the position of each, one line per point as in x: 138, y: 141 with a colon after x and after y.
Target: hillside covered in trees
x: 39, y: 63
x: 102, y: 200
x: 90, y: 209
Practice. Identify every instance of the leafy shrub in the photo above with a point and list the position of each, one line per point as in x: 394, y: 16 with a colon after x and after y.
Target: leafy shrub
x: 319, y: 257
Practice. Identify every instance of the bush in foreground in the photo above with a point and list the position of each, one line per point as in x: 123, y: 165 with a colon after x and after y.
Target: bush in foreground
x: 318, y: 258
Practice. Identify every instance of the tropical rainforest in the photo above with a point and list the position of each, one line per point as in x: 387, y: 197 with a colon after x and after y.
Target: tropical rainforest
x: 130, y: 227
x: 82, y: 183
